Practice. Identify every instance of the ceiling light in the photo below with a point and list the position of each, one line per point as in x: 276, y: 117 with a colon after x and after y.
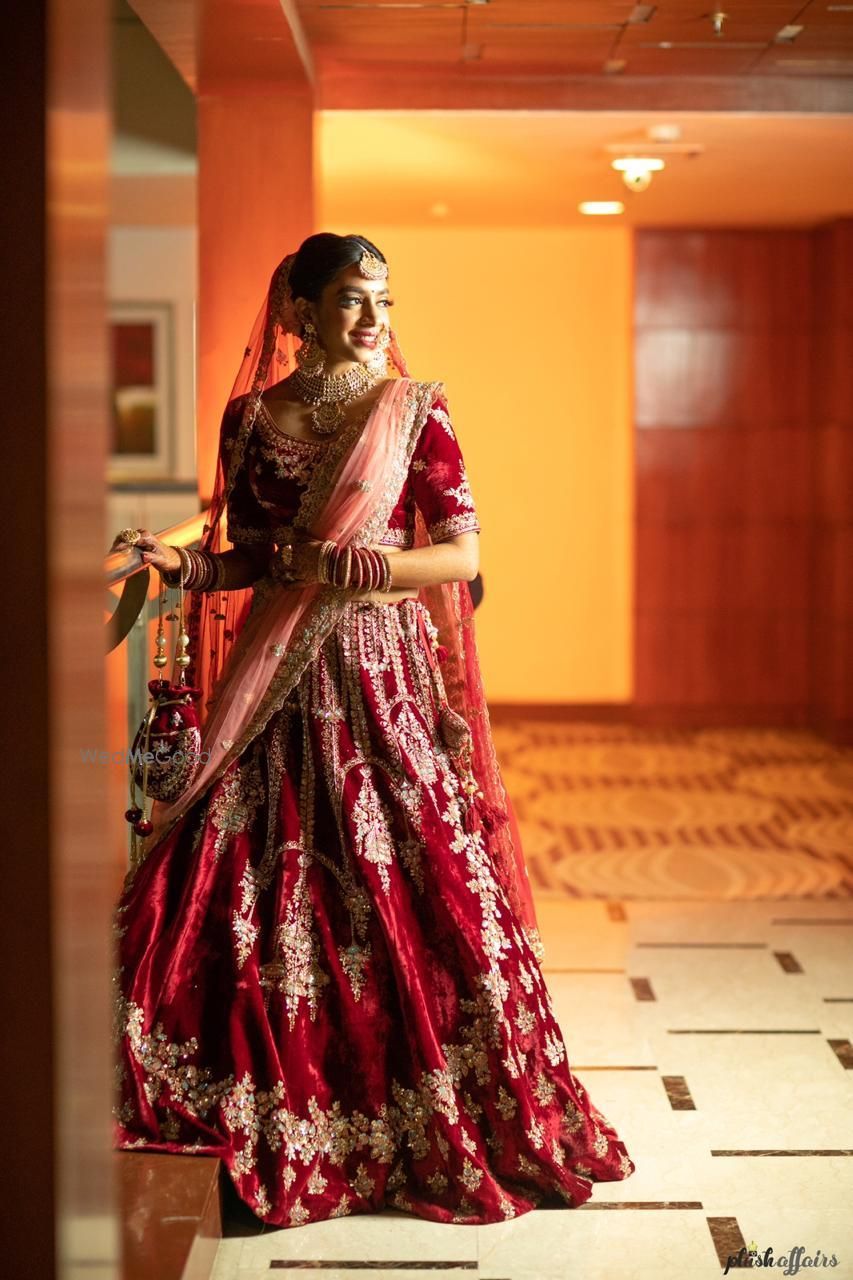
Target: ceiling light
x: 601, y: 207
x: 637, y: 170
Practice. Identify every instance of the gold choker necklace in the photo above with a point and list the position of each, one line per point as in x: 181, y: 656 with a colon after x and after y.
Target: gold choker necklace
x: 330, y: 392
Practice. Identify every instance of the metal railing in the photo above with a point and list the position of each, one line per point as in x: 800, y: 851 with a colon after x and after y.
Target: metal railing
x: 127, y: 566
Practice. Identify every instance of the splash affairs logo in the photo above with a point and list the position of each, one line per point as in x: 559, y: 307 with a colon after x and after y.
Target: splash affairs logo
x: 789, y: 1264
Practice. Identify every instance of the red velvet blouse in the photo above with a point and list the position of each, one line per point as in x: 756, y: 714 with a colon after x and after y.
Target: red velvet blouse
x: 276, y: 469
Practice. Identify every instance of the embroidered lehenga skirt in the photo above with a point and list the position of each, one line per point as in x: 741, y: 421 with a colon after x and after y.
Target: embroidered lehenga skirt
x: 320, y: 981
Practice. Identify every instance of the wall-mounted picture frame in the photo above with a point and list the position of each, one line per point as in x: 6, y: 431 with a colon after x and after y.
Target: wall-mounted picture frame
x: 142, y: 343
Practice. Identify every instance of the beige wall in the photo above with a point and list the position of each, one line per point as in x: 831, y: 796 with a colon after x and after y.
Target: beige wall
x: 530, y: 330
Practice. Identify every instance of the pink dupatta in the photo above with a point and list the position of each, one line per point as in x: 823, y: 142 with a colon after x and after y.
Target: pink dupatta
x: 287, y: 624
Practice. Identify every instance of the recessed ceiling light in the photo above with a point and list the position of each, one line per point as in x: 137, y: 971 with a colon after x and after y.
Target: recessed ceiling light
x: 651, y: 164
x: 601, y: 207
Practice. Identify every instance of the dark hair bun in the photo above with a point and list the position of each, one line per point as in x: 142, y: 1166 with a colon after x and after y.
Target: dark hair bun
x: 321, y: 257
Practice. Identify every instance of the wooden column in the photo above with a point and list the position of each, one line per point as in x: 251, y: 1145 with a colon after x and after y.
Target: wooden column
x: 832, y: 593
x: 59, y: 886
x: 255, y: 204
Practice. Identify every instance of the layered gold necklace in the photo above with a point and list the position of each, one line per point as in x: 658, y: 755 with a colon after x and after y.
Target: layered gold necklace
x: 330, y: 393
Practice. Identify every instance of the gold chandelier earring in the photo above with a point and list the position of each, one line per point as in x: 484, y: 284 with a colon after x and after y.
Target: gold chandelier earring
x: 310, y: 357
x: 378, y: 362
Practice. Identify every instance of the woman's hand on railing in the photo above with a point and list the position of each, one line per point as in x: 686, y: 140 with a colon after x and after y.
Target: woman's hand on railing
x: 159, y: 555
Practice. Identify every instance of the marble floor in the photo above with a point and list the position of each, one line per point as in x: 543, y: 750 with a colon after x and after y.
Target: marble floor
x: 716, y: 1036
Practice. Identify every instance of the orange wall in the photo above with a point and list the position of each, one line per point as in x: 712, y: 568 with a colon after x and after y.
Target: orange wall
x: 530, y: 328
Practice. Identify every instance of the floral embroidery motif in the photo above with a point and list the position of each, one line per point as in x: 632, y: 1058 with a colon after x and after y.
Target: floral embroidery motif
x: 506, y: 1104
x: 233, y: 810
x: 507, y: 1207
x: 410, y: 855
x: 289, y: 460
x: 298, y: 1214
x: 525, y: 1019
x: 535, y: 1134
x: 468, y: 1142
x: 544, y: 1089
x: 413, y: 739
x: 600, y: 1144
x: 354, y: 961
x: 441, y: 415
x: 555, y: 1050
x: 471, y: 1176
x: 298, y: 972
x: 342, y: 1208
x: 362, y: 1184
x: 373, y: 837
x: 160, y: 1059
x: 461, y: 492
x: 572, y: 1118
x: 246, y: 935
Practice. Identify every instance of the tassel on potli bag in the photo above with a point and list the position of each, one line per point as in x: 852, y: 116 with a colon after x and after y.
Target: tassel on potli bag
x: 166, y: 750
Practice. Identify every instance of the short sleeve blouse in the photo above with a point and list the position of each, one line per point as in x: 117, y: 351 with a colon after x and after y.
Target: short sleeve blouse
x: 276, y: 469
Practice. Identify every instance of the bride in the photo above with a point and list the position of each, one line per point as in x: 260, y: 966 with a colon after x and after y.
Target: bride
x: 327, y: 957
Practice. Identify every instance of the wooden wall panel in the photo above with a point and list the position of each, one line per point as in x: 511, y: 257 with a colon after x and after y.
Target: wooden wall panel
x: 724, y: 422
x: 832, y: 616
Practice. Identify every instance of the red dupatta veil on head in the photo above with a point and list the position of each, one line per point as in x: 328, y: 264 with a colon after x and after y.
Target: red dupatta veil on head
x: 232, y: 632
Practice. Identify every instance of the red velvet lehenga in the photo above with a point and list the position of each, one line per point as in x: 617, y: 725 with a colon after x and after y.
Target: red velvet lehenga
x: 319, y: 978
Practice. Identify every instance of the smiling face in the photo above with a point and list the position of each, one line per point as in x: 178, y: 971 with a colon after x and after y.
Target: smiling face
x: 349, y: 317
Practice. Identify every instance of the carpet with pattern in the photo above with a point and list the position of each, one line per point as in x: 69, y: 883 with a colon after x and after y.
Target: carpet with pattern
x: 616, y: 811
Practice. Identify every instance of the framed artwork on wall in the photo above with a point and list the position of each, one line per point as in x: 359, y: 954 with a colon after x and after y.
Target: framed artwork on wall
x: 143, y: 416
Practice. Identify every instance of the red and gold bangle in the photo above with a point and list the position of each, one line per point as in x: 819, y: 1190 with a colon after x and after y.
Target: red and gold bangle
x: 347, y: 570
x: 172, y: 577
x: 355, y: 569
x: 339, y: 576
x: 217, y: 580
x: 331, y: 559
x: 207, y: 570
x: 367, y: 568
x: 330, y: 564
x: 326, y: 551
x: 197, y: 574
x: 203, y: 571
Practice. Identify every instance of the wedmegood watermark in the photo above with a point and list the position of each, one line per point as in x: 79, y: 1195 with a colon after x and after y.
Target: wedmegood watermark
x: 162, y: 757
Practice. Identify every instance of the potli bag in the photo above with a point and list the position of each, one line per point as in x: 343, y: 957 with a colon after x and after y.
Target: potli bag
x: 166, y: 750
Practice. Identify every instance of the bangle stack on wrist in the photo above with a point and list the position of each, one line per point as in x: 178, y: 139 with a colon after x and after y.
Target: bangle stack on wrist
x: 357, y: 567
x: 203, y: 571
